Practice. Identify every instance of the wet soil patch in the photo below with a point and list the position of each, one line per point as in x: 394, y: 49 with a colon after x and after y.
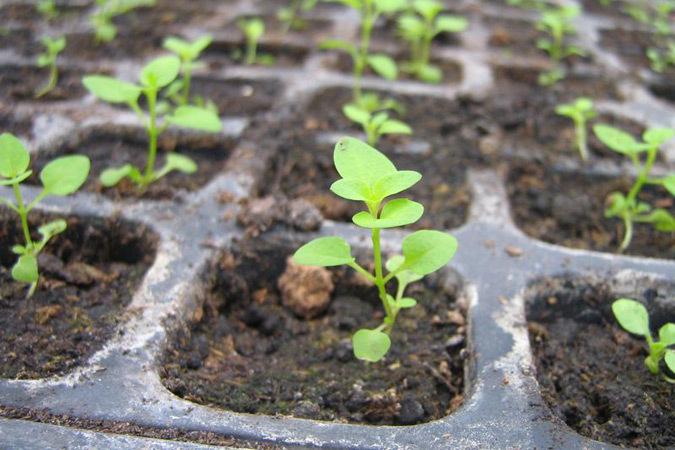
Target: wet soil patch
x: 22, y: 82
x: 223, y: 53
x: 568, y: 209
x: 237, y: 96
x: 133, y: 44
x: 88, y: 275
x: 250, y: 354
x: 592, y: 372
x: 114, y: 148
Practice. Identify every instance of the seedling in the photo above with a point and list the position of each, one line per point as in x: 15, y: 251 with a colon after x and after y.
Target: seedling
x: 48, y: 59
x: 370, y: 177
x: 291, y: 16
x: 628, y: 207
x: 661, y: 59
x: 419, y: 26
x: 556, y: 22
x: 375, y: 125
x: 383, y: 65
x: 47, y: 8
x: 634, y: 318
x: 580, y: 111
x: 188, y: 52
x: 156, y: 75
x: 527, y: 4
x: 253, y: 29
x: 101, y: 20
x: 62, y: 176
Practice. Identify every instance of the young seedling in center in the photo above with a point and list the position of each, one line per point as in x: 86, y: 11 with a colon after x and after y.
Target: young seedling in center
x: 291, y: 17
x: 419, y: 27
x: 63, y: 176
x: 628, y: 207
x: 47, y: 8
x: 580, y: 111
x: 155, y: 76
x: 556, y: 22
x: 370, y: 177
x: 634, y: 318
x: 188, y: 52
x: 48, y: 59
x: 253, y: 29
x: 375, y: 125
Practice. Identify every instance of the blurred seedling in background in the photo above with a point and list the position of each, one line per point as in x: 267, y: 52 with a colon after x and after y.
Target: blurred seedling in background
x: 370, y: 177
x: 47, y: 9
x: 106, y: 10
x: 556, y: 23
x: 643, y: 155
x: 634, y: 318
x: 61, y: 177
x: 375, y: 125
x: 188, y: 52
x: 253, y: 29
x: 291, y: 15
x: 53, y: 46
x: 419, y: 26
x: 156, y: 75
x: 580, y: 111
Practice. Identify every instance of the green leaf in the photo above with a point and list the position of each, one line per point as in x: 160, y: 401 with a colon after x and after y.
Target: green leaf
x: 657, y: 136
x: 356, y: 114
x: 51, y: 229
x: 404, y: 277
x: 670, y: 360
x: 390, y: 6
x: 160, y: 71
x: 324, y: 252
x: 618, y: 140
x: 669, y: 184
x: 65, y: 175
x: 177, y: 45
x: 383, y: 65
x: 451, y: 24
x: 661, y: 219
x: 407, y: 302
x: 19, y: 249
x: 393, y: 126
x: 394, y: 183
x: 667, y: 334
x: 632, y: 316
x: 111, y: 90
x: 337, y: 44
x: 180, y: 163
x: 370, y: 345
x: 356, y: 160
x: 110, y: 177
x: 14, y: 158
x: 253, y: 28
x: 353, y: 190
x: 617, y: 205
x: 426, y: 251
x: 17, y: 179
x: 430, y: 73
x: 396, y: 213
x: 26, y: 269
x: 196, y: 118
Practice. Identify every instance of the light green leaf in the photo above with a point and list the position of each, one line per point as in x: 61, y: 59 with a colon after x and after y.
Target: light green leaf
x: 111, y: 90
x: 383, y: 65
x: 160, y: 71
x: 632, y: 316
x: 661, y: 219
x: 390, y: 6
x: 26, y: 269
x: 51, y: 229
x: 669, y: 184
x: 618, y: 140
x: 657, y: 136
x: 393, y: 126
x: 370, y: 345
x: 177, y: 45
x: 110, y: 177
x: 65, y: 175
x: 667, y: 334
x: 407, y: 302
x: 670, y: 360
x: 356, y: 114
x: 356, y: 160
x: 430, y: 73
x: 17, y: 179
x: 14, y: 158
x: 181, y: 163
x: 324, y: 252
x: 394, y: 183
x: 451, y: 24
x: 194, y: 117
x: 426, y: 251
x: 396, y: 213
x: 404, y: 276
x: 352, y: 190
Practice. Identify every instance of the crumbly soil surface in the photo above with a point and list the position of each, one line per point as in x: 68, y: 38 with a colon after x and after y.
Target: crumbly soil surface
x: 248, y: 353
x: 631, y: 46
x: 222, y: 54
x: 108, y: 149
x: 20, y: 41
x: 237, y: 96
x: 23, y: 82
x: 88, y: 276
x: 592, y: 372
x: 568, y: 209
x: 11, y: 124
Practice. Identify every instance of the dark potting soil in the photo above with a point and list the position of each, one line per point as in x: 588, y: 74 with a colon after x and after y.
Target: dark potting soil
x: 592, y: 372
x: 20, y: 127
x: 114, y: 148
x: 313, y: 29
x: 516, y: 37
x: 88, y: 275
x: 140, y: 44
x: 226, y: 53
x: 237, y: 96
x: 631, y: 46
x: 20, y: 41
x: 248, y: 353
x: 28, y: 14
x: 23, y: 82
x: 568, y: 209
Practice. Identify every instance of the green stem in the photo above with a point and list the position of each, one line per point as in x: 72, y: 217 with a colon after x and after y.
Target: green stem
x: 368, y: 20
x: 51, y: 84
x: 151, y: 93
x: 628, y: 233
x: 379, y: 280
x: 582, y: 139
x: 23, y: 214
x: 251, y: 50
x: 354, y: 265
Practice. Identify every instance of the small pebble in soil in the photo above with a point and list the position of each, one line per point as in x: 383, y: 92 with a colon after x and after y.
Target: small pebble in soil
x: 411, y: 412
x: 305, y: 290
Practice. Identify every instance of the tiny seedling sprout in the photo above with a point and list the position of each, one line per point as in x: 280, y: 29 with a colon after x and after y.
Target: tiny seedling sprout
x: 419, y: 26
x: 47, y: 8
x: 53, y: 46
x: 628, y: 207
x: 375, y: 125
x: 62, y: 176
x: 188, y: 52
x: 106, y: 10
x: 634, y: 318
x: 291, y: 16
x: 253, y: 29
x: 580, y: 111
x: 556, y: 22
x: 156, y: 75
x: 370, y: 177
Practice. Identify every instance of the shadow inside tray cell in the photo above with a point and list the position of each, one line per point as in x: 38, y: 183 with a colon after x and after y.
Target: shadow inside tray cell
x: 223, y: 53
x: 88, y: 275
x: 567, y: 209
x: 23, y: 82
x: 237, y: 96
x: 275, y: 338
x: 115, y: 146
x: 20, y: 127
x: 592, y: 372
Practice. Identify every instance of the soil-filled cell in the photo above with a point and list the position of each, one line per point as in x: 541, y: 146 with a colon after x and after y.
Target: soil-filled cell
x: 225, y: 53
x: 24, y: 82
x: 88, y: 274
x: 237, y: 96
x: 249, y: 353
x: 592, y: 372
